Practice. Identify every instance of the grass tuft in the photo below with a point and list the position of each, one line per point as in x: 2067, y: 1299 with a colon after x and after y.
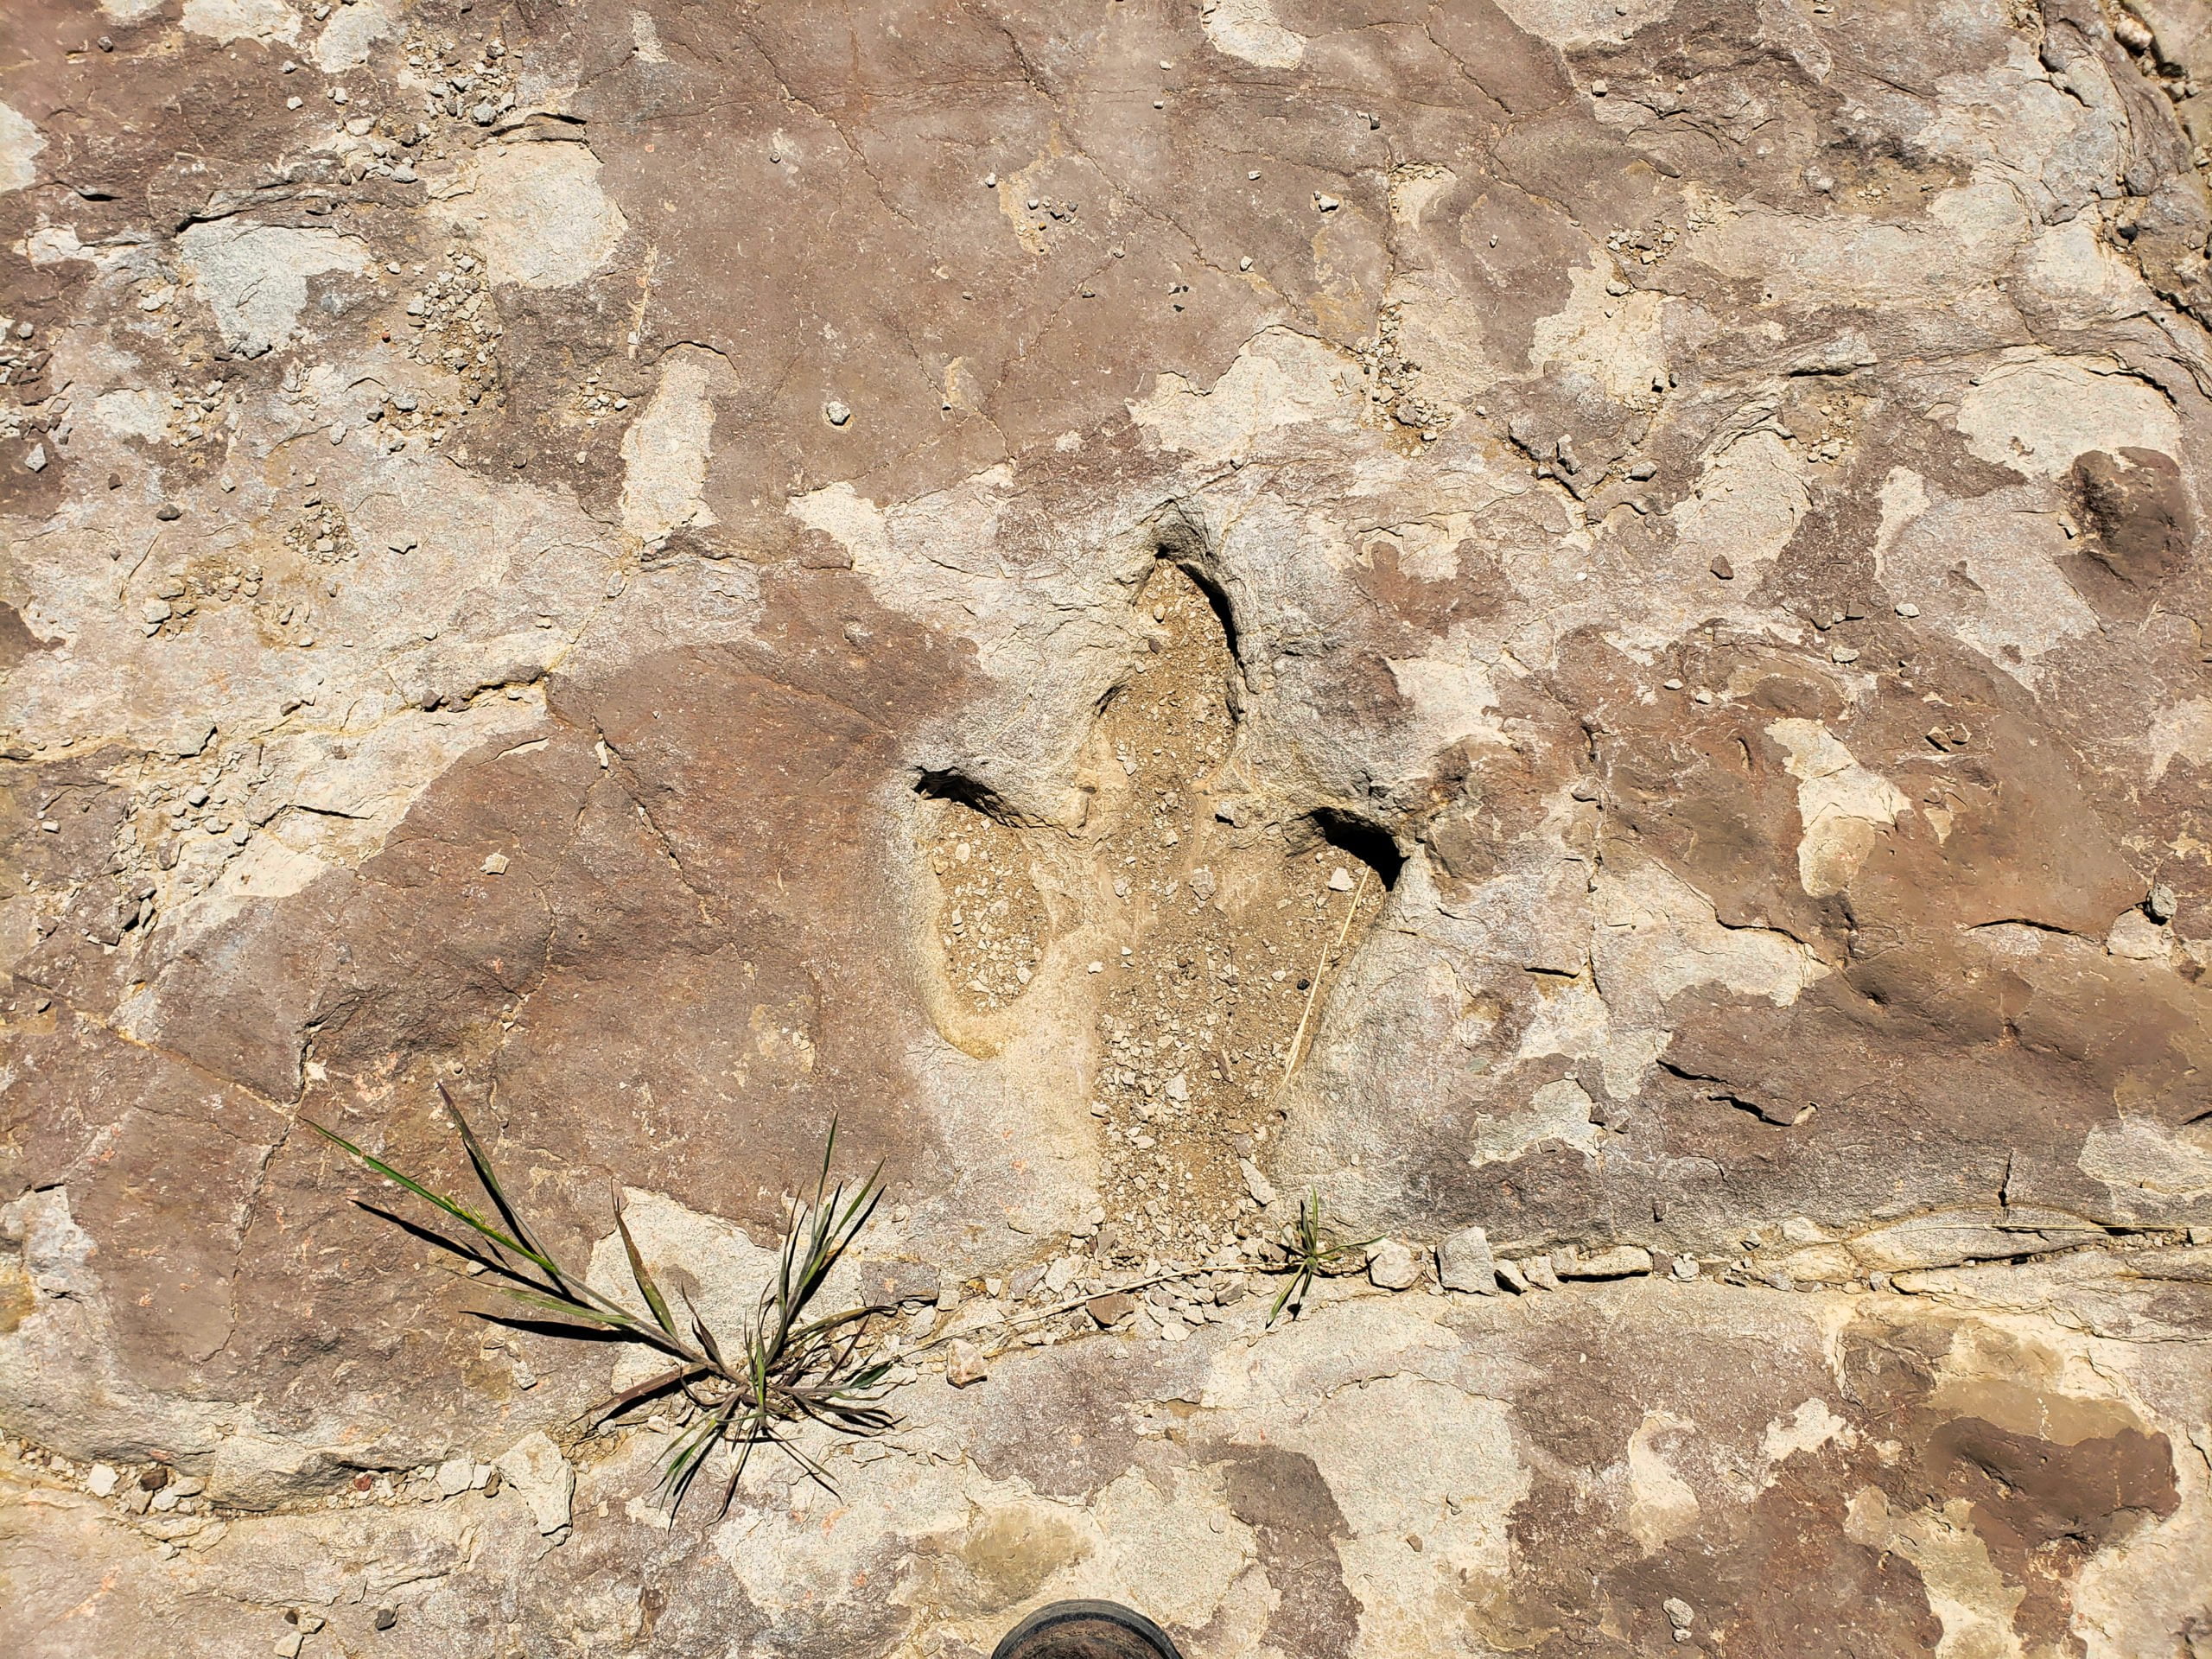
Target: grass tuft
x: 783, y: 1369
x: 1311, y: 1252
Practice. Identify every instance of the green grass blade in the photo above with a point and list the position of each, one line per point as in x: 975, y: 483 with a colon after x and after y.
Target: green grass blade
x: 813, y: 1328
x: 568, y: 1308
x: 706, y: 1338
x: 459, y: 1212
x: 675, y: 1377
x: 646, y: 1288
x: 482, y: 1161
x: 688, y: 1455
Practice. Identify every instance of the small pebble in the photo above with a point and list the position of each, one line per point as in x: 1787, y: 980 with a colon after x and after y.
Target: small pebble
x: 965, y: 1366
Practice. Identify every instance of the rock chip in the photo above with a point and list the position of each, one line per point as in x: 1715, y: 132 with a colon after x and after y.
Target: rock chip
x: 1464, y: 1262
x: 1261, y: 1189
x: 1621, y: 1261
x: 1111, y: 1309
x: 1392, y: 1265
x: 2136, y: 938
x: 964, y: 1365
x: 886, y: 1283
x: 534, y: 1467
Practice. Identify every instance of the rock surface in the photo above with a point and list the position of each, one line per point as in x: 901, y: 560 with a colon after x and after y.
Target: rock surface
x: 1570, y: 628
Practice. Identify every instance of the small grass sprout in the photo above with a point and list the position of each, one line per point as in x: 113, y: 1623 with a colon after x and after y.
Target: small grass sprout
x: 783, y: 1369
x: 1311, y: 1252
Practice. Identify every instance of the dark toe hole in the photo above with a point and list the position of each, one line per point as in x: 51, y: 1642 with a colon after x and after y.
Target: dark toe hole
x: 1085, y: 1629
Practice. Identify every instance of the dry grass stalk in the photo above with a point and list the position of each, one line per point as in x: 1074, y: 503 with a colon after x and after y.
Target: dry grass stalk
x: 1329, y: 955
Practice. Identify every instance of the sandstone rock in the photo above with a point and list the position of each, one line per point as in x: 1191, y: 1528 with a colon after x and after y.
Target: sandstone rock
x: 1591, y: 634
x: 1393, y: 1266
x: 2136, y: 938
x: 535, y: 1468
x: 1111, y: 1309
x: 891, y: 1283
x: 1464, y: 1262
x: 1261, y: 1189
x: 964, y: 1365
x: 1620, y: 1262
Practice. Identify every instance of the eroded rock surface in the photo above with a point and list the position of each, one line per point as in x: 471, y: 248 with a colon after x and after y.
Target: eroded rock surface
x: 1576, y: 627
